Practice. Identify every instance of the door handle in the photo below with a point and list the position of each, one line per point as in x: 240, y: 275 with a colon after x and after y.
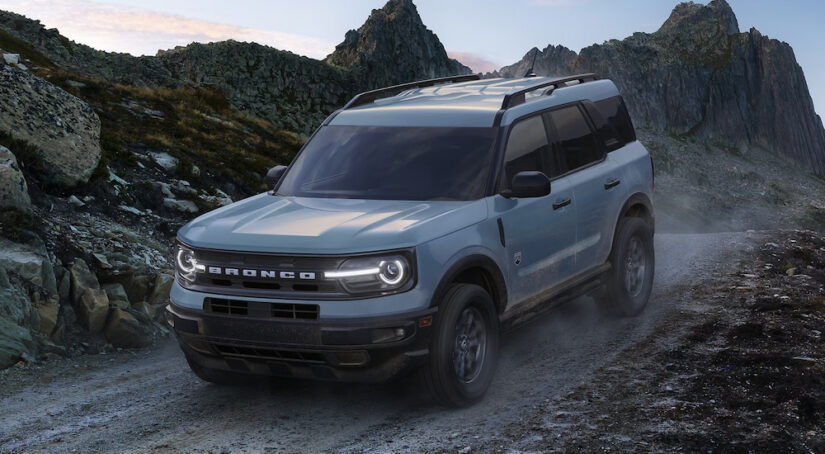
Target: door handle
x: 561, y: 203
x: 612, y: 184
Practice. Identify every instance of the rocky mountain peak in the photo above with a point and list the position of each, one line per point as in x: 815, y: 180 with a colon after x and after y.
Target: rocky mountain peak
x: 394, y: 46
x: 716, y: 18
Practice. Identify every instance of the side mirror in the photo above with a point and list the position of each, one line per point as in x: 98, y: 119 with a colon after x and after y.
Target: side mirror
x: 273, y: 176
x: 528, y: 184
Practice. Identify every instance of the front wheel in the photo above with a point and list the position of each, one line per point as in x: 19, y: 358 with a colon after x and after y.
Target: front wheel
x: 464, y: 348
x: 630, y: 279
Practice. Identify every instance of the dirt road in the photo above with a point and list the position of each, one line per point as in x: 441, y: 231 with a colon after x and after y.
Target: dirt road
x: 148, y: 401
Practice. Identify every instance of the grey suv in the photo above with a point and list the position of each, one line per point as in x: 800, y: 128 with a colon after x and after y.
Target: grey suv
x: 417, y: 223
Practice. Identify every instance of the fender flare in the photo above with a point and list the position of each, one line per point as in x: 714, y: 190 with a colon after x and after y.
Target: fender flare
x: 475, y: 260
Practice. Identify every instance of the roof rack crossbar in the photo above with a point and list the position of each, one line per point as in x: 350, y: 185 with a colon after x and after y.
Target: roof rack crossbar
x: 518, y: 97
x: 370, y: 96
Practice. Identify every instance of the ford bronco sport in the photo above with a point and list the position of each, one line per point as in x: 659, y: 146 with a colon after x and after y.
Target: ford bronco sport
x: 412, y: 228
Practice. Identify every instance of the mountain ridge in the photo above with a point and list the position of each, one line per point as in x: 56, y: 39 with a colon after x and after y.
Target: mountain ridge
x: 698, y: 75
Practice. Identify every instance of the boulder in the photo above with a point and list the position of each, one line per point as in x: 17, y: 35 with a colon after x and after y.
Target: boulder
x: 117, y: 295
x: 16, y: 343
x: 92, y: 309
x: 150, y: 310
x: 123, y: 330
x: 64, y: 130
x: 82, y: 279
x: 48, y: 312
x: 136, y: 285
x: 29, y: 263
x: 163, y: 286
x: 14, y: 194
x: 15, y: 305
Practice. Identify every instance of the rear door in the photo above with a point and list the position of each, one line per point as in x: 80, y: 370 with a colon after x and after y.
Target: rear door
x: 539, y: 232
x: 595, y: 182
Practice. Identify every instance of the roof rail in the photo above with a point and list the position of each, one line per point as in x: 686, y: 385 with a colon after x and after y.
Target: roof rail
x: 516, y: 98
x: 370, y: 96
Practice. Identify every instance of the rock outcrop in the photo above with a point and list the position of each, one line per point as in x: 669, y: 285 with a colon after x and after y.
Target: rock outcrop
x: 62, y: 130
x: 291, y: 91
x: 14, y: 193
x: 699, y: 76
x: 394, y: 46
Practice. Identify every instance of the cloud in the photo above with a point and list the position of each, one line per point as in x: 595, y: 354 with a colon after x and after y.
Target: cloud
x: 138, y: 31
x: 476, y: 63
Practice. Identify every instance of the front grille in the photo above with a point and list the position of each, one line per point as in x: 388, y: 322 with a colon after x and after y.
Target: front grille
x: 260, y: 309
x: 306, y: 273
x: 265, y: 353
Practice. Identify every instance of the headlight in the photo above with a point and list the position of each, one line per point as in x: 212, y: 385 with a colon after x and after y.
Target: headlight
x: 372, y: 274
x: 187, y: 264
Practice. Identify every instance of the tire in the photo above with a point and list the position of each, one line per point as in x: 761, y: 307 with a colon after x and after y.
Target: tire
x: 466, y: 328
x: 216, y: 376
x: 630, y: 279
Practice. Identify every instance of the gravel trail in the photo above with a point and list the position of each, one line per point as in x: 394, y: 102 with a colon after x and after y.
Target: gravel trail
x: 148, y: 401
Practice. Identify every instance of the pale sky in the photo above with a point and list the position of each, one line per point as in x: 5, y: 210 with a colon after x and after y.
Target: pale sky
x: 484, y: 34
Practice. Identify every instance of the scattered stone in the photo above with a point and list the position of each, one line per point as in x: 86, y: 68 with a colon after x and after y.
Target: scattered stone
x: 132, y: 210
x: 165, y: 160
x: 22, y: 67
x: 790, y: 271
x: 124, y: 331
x: 185, y: 206
x: 76, y: 84
x: 102, y: 261
x: 11, y: 59
x: 75, y: 201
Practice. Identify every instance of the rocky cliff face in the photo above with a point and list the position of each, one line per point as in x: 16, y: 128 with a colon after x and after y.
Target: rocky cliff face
x: 394, y: 46
x: 699, y: 76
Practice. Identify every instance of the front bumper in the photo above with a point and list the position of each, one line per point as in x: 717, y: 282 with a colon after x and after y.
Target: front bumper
x: 324, y: 349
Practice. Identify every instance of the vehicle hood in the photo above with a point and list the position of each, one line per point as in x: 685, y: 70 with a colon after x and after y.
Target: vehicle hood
x: 267, y: 223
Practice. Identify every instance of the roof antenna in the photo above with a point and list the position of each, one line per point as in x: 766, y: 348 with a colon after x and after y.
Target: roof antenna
x: 530, y: 72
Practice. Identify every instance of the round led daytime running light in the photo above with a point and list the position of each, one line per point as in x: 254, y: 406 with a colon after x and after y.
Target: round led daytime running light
x: 392, y: 272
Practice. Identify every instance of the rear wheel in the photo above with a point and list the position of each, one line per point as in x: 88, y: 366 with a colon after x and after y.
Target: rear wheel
x: 630, y: 279
x: 464, y: 348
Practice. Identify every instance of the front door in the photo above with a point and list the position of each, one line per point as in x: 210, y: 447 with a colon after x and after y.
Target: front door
x: 539, y: 232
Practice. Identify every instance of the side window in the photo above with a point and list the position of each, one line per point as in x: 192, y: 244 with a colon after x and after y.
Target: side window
x: 615, y: 112
x: 525, y: 147
x: 577, y: 144
x: 605, y: 131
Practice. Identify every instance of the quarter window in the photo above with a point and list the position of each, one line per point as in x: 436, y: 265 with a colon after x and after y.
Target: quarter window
x: 577, y: 144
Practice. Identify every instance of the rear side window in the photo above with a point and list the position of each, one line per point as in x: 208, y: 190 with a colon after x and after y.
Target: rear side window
x: 577, y: 144
x: 605, y: 131
x: 614, y: 111
x: 526, y: 147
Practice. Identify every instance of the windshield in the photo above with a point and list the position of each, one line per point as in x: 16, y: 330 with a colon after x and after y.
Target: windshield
x: 397, y: 163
